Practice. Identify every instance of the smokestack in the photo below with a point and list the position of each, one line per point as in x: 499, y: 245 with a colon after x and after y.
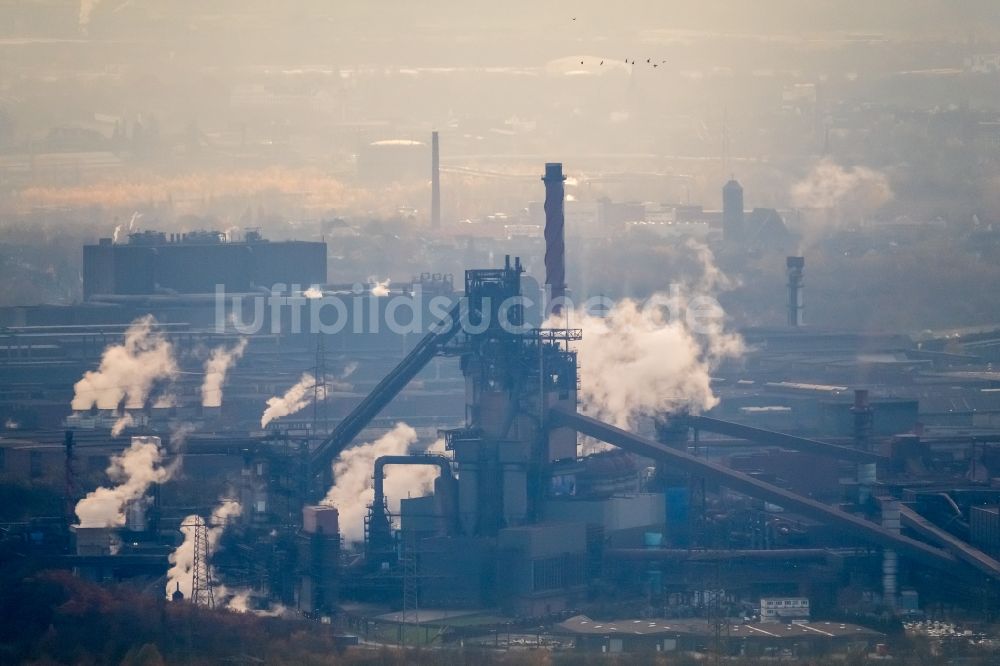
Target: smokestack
x: 796, y: 306
x: 435, y: 182
x: 555, y: 234
x: 862, y: 419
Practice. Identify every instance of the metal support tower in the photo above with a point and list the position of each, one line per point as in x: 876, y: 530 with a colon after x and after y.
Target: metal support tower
x: 201, y: 576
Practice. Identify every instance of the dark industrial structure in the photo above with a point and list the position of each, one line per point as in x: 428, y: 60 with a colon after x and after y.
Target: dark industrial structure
x: 733, y: 213
x: 555, y: 234
x: 435, y: 181
x: 200, y: 262
x: 796, y: 305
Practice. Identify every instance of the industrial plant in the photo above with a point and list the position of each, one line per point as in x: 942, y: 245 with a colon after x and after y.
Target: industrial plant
x: 515, y: 333
x: 790, y: 490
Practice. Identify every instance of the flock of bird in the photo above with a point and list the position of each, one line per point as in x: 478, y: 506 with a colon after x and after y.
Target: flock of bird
x: 649, y: 61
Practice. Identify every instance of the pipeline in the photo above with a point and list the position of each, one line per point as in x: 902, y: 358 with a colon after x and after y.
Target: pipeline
x: 379, y: 542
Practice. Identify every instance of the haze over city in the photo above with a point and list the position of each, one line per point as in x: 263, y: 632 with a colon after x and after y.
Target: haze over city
x: 412, y: 331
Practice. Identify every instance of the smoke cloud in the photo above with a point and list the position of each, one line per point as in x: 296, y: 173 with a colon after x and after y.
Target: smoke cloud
x: 380, y: 289
x: 216, y: 367
x: 295, y: 399
x: 128, y: 371
x: 165, y: 401
x: 238, y: 601
x: 853, y: 191
x: 656, y: 357
x: 86, y: 8
x: 124, y: 421
x: 182, y: 559
x: 353, y: 489
x: 179, y: 433
x: 135, y: 470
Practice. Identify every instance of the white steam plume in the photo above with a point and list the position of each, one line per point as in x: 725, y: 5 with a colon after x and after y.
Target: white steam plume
x: 86, y: 8
x: 216, y: 367
x: 380, y: 289
x: 353, y: 489
x: 124, y: 421
x: 165, y: 401
x: 656, y: 358
x: 296, y: 398
x: 182, y: 559
x: 238, y: 600
x: 134, y: 470
x: 179, y: 433
x: 852, y: 191
x: 128, y: 370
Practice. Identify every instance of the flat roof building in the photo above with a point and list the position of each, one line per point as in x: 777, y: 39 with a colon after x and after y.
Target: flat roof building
x: 153, y: 262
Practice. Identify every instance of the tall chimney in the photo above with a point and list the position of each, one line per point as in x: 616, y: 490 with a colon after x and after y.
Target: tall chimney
x: 796, y: 306
x: 435, y: 182
x: 555, y: 234
x: 863, y: 420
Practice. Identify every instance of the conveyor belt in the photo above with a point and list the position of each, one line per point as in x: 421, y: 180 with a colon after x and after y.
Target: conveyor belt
x: 848, y: 523
x: 386, y: 390
x: 961, y: 550
x: 768, y: 437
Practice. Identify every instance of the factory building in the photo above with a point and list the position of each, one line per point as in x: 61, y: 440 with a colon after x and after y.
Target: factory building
x: 790, y: 609
x: 156, y: 263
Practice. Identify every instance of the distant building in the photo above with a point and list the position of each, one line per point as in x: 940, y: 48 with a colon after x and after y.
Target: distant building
x: 784, y: 609
x: 765, y: 229
x: 984, y: 522
x: 612, y: 213
x: 523, y: 231
x: 732, y: 212
x: 983, y: 63
x: 154, y: 263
